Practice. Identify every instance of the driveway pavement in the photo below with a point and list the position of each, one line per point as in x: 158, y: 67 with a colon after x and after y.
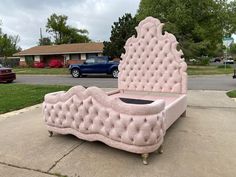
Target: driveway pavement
x: 201, y: 144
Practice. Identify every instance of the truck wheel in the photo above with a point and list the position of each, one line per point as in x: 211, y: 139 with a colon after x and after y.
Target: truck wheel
x: 115, y: 73
x: 75, y: 73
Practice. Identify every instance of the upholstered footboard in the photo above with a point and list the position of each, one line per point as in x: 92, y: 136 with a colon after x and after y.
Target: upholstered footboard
x: 92, y: 115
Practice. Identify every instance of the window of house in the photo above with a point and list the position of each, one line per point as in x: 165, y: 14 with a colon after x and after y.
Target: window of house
x: 91, y: 55
x: 75, y: 56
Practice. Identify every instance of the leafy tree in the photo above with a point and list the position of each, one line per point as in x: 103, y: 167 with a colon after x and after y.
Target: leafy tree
x: 199, y: 25
x: 63, y: 33
x: 121, y: 31
x: 8, y: 44
x: 45, y: 41
x: 230, y: 18
x: 233, y: 49
x: 74, y: 35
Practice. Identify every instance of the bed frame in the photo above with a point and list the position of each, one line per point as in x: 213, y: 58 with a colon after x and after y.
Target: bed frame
x: 151, y: 96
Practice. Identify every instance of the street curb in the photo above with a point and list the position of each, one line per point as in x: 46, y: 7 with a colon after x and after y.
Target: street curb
x: 20, y: 111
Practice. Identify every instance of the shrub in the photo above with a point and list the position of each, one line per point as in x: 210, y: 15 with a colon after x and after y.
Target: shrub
x: 204, y: 61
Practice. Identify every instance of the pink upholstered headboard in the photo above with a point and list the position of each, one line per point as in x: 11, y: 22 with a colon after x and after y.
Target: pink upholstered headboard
x: 152, y: 62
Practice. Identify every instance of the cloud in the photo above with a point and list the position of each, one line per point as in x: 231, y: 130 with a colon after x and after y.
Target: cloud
x: 26, y: 17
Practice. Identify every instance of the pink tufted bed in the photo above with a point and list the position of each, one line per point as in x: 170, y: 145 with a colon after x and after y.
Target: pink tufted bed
x: 151, y: 96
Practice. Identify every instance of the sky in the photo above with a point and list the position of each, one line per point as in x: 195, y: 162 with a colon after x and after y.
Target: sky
x: 26, y: 17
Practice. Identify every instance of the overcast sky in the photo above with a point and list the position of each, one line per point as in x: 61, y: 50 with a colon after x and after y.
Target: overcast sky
x: 26, y: 17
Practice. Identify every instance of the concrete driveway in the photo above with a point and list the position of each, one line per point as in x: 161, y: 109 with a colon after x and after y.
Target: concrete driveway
x: 201, y: 144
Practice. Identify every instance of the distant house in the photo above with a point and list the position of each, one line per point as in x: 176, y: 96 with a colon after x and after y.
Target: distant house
x: 66, y: 53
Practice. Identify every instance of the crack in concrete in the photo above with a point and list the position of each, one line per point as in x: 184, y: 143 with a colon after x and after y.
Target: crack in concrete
x: 66, y: 154
x: 27, y: 168
x: 210, y: 107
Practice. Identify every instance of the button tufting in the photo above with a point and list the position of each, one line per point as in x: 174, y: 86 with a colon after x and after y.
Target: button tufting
x: 125, y: 127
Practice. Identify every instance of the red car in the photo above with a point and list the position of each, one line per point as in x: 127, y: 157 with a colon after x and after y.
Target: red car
x: 6, y: 74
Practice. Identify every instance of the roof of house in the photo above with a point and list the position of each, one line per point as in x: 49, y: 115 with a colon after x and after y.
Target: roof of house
x: 63, y: 49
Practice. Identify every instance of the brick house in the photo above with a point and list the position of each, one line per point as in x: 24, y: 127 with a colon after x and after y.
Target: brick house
x: 66, y: 53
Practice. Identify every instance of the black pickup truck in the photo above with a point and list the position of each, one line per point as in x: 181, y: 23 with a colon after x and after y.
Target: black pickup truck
x: 95, y: 65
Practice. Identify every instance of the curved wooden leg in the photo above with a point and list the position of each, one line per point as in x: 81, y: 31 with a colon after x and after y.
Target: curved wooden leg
x: 50, y: 133
x: 144, y: 157
x: 160, y: 150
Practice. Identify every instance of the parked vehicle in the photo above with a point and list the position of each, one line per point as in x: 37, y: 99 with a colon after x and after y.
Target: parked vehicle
x: 228, y: 61
x: 217, y: 60
x: 96, y: 65
x: 6, y: 74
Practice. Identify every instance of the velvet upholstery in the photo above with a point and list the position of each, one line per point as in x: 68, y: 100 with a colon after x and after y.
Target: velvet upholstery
x: 152, y: 69
x: 152, y: 62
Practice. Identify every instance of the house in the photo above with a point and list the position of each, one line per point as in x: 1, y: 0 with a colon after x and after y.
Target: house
x: 66, y: 53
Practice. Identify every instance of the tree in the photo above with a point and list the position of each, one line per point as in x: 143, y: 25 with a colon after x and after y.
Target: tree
x: 199, y: 25
x: 233, y: 49
x: 8, y: 44
x: 230, y: 18
x: 74, y: 35
x: 121, y: 31
x: 45, y: 41
x: 63, y: 33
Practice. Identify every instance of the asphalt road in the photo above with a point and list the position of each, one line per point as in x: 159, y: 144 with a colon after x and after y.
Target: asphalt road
x: 219, y: 82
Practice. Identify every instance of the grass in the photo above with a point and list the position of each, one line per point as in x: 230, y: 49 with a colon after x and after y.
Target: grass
x: 18, y: 96
x: 47, y: 71
x: 192, y: 70
x: 231, y: 94
x: 208, y: 70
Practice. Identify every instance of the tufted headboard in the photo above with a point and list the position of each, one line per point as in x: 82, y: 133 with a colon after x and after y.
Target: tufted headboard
x: 152, y: 62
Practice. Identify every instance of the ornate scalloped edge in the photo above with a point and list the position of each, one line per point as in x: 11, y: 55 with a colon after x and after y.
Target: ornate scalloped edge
x: 100, y: 96
x: 108, y: 141
x: 178, y: 54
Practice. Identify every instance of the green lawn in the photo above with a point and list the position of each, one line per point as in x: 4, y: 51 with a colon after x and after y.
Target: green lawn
x: 48, y: 71
x: 208, y: 70
x: 17, y: 96
x: 192, y: 70
x: 232, y: 94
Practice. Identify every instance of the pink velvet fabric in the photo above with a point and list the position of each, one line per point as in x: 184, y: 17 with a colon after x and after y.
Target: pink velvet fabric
x: 152, y: 62
x: 150, y: 67
x: 94, y: 114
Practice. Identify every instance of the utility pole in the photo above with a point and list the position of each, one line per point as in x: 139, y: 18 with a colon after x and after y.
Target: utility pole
x: 41, y: 36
